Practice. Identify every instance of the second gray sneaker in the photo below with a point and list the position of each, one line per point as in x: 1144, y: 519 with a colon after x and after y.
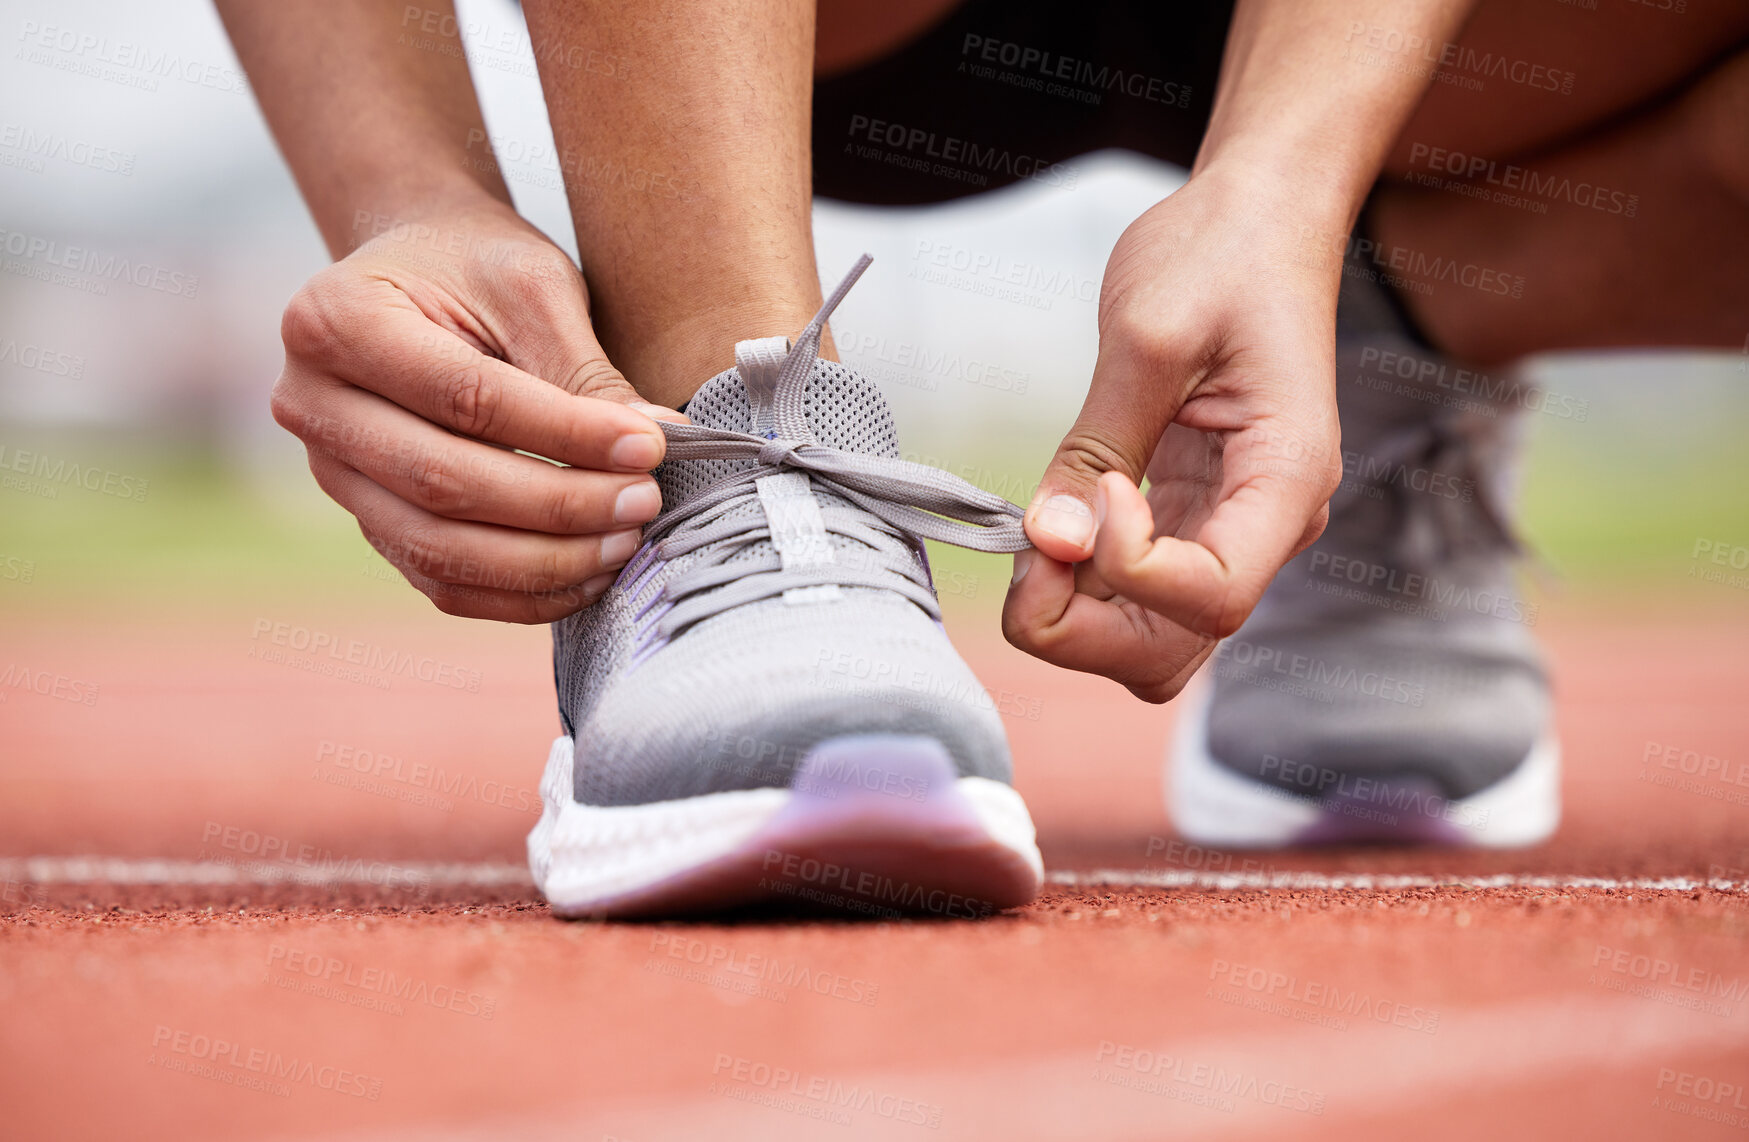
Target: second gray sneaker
x: 1388, y: 686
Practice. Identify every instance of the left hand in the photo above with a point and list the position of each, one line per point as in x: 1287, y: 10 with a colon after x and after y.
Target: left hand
x: 1216, y: 380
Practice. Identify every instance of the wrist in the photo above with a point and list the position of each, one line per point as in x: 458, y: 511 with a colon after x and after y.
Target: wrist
x: 1300, y: 183
x: 406, y: 201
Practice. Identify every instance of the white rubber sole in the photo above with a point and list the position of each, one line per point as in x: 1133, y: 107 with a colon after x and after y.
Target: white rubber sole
x: 1211, y: 805
x: 872, y: 824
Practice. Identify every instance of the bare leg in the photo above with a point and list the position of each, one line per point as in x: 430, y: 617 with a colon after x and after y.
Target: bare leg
x: 682, y: 126
x: 1657, y: 112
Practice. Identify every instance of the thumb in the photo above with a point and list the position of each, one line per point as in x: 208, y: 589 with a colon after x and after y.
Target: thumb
x: 1127, y: 409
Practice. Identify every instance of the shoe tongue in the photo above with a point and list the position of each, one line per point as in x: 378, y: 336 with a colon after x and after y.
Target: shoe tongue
x: 845, y: 410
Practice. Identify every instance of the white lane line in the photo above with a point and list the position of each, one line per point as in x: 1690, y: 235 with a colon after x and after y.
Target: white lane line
x: 1377, y: 882
x: 489, y: 874
x: 337, y: 872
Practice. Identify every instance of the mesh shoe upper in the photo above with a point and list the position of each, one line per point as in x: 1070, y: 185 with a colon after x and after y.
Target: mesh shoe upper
x: 672, y: 688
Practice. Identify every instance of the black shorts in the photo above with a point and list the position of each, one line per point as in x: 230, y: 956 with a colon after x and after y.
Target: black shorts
x: 1007, y: 90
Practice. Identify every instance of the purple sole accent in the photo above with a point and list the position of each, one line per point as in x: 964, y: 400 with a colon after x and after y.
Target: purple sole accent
x: 1357, y: 820
x: 877, y: 827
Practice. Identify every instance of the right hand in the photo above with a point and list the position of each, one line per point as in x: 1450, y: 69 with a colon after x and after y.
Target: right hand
x: 417, y: 362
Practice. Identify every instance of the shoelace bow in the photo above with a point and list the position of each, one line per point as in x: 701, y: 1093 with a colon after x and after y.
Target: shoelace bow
x: 889, y: 506
x: 1434, y: 527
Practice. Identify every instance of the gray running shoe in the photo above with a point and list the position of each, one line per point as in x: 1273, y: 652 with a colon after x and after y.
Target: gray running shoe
x: 1388, y: 687
x: 765, y: 705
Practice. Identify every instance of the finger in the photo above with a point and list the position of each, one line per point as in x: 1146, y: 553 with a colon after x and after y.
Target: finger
x: 371, y: 335
x: 461, y: 479
x: 470, y: 554
x: 1209, y: 583
x: 1133, y: 396
x: 510, y: 606
x: 1048, y: 618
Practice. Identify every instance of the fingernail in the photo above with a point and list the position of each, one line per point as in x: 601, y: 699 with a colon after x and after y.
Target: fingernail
x: 1067, y: 518
x: 618, y: 547
x: 1022, y: 564
x: 1099, y: 505
x: 639, y: 503
x: 599, y: 584
x: 635, y: 450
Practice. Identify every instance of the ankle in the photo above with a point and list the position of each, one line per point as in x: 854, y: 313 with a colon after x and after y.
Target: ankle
x: 669, y: 364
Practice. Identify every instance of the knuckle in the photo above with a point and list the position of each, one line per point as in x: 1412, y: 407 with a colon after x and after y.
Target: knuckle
x: 559, y: 565
x: 437, y: 488
x: 1086, y: 456
x: 1224, y: 617
x: 1038, y: 641
x: 562, y: 513
x: 587, y: 378
x: 471, y: 402
x: 286, y: 404
x: 418, y: 549
x: 310, y: 327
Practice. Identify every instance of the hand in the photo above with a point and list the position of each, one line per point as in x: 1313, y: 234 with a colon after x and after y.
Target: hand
x: 416, y: 364
x: 1215, y: 379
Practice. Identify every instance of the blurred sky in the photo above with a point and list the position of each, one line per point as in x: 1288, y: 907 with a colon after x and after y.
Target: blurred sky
x: 104, y: 149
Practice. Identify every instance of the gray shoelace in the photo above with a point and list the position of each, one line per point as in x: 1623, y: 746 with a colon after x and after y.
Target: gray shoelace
x: 1433, y: 528
x: 884, y: 504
